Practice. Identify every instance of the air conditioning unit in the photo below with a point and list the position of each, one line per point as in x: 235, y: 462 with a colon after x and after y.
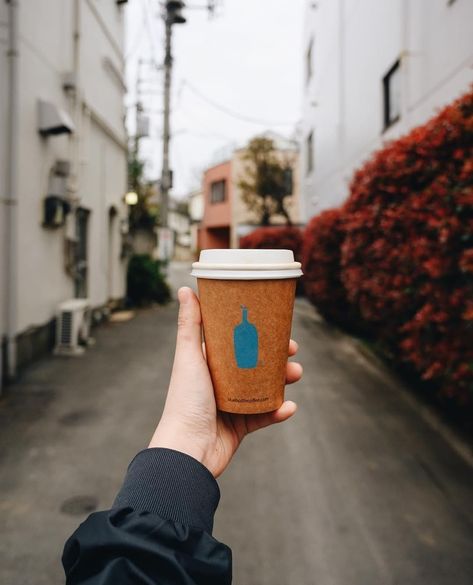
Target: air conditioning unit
x: 73, y: 327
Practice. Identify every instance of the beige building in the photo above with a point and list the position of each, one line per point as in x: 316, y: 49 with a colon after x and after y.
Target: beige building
x: 196, y: 212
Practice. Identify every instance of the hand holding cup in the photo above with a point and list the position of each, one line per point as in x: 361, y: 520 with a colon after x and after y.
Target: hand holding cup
x: 191, y: 422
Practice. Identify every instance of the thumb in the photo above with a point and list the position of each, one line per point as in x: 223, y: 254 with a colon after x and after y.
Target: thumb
x: 189, y: 338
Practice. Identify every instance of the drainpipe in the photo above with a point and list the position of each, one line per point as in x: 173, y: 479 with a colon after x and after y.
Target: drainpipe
x: 405, y: 62
x: 11, y: 191
x: 76, y: 136
x: 77, y: 105
x: 342, y: 98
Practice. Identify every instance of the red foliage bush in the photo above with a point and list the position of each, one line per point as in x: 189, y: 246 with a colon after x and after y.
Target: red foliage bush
x: 277, y: 238
x: 323, y: 238
x: 407, y: 255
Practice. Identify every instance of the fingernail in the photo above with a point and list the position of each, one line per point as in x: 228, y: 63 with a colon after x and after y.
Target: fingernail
x: 183, y: 294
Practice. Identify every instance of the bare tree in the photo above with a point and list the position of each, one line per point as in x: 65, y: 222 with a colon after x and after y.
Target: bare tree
x: 267, y: 182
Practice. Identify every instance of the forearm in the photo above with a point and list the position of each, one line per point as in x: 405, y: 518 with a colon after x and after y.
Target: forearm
x: 172, y: 485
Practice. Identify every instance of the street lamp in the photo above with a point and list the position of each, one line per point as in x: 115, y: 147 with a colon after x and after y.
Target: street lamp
x: 174, y: 12
x: 131, y: 198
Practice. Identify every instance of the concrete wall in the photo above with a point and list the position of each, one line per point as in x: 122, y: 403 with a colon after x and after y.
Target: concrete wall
x: 44, y: 53
x: 96, y: 150
x: 355, y: 43
x: 103, y: 183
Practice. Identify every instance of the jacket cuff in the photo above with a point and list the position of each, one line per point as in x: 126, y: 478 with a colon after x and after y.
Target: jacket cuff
x: 171, y: 484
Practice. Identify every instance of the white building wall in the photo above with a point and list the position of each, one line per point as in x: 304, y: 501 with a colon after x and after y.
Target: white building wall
x: 196, y: 213
x: 355, y: 43
x: 99, y: 170
x: 196, y: 206
x: 43, y: 55
x: 102, y: 61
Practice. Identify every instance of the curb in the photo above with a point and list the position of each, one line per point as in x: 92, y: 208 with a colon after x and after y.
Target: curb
x: 428, y: 414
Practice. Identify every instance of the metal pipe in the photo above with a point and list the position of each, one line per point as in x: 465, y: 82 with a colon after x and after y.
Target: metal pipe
x: 77, y: 99
x: 76, y: 136
x: 11, y: 194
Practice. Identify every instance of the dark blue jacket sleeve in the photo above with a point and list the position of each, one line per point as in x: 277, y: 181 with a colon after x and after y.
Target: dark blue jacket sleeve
x: 157, y: 532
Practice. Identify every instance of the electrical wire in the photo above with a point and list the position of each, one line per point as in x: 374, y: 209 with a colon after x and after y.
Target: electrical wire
x: 136, y: 44
x: 151, y: 37
x: 230, y: 112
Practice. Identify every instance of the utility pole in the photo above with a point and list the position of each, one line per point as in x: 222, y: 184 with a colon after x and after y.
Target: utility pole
x: 172, y: 16
x: 10, y: 244
x: 165, y: 174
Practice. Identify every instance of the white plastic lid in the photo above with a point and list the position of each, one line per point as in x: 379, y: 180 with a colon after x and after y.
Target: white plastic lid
x: 226, y: 264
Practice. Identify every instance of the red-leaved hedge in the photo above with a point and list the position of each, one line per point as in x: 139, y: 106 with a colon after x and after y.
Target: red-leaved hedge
x: 407, y: 251
x: 323, y: 238
x: 274, y: 237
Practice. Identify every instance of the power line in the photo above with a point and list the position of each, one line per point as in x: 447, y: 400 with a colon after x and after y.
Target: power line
x: 231, y: 112
x: 205, y: 135
x: 151, y: 37
x: 136, y: 44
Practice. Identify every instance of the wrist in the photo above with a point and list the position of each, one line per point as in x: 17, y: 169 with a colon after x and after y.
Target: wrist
x: 178, y: 439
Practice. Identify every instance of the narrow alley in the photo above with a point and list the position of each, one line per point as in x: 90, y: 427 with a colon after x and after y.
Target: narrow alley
x: 357, y: 489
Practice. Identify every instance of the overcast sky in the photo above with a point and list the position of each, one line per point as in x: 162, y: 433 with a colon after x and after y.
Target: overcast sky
x: 247, y: 59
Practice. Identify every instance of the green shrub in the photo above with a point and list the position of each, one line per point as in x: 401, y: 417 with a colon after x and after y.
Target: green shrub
x: 145, y: 281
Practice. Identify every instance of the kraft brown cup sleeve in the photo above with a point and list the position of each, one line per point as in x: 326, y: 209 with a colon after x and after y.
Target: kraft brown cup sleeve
x: 247, y: 327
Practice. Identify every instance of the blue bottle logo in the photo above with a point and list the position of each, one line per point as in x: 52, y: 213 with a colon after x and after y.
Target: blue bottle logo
x: 245, y: 342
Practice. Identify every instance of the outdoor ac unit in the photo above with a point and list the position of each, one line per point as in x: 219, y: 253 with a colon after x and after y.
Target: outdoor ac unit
x: 52, y: 120
x: 73, y: 327
x: 142, y: 129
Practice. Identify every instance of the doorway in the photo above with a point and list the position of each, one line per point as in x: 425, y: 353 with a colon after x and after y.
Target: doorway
x: 81, y: 256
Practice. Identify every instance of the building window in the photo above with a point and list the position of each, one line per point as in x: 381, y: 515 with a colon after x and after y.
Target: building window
x: 218, y: 191
x: 310, y: 153
x: 392, y: 95
x: 308, y: 61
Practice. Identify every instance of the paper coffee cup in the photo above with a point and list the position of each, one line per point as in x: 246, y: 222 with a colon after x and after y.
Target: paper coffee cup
x: 247, y: 300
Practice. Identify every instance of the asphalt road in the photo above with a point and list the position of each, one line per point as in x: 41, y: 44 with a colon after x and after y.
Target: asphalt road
x: 357, y: 489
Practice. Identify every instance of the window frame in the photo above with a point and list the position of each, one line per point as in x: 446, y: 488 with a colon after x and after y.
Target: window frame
x: 212, y: 198
x: 309, y: 69
x: 309, y: 143
x: 389, y: 121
